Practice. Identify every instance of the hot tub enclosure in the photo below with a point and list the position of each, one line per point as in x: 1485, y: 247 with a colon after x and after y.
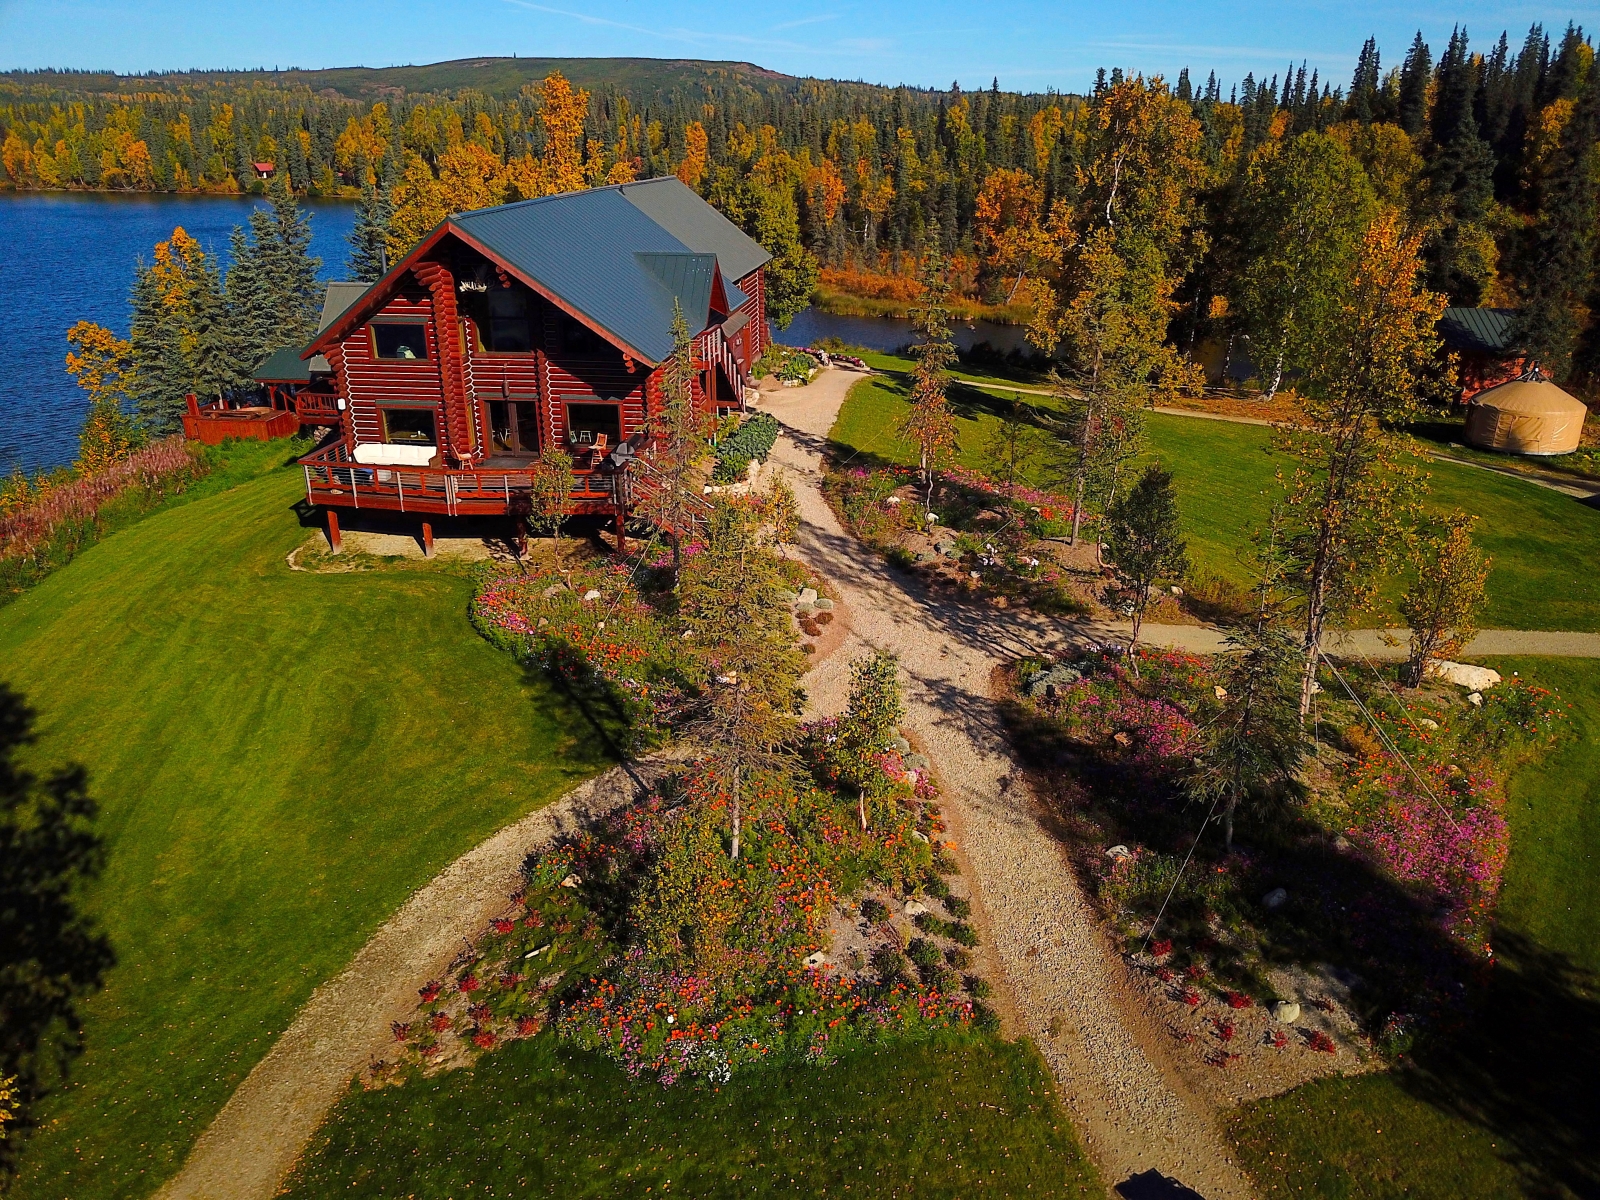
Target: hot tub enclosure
x: 1530, y: 415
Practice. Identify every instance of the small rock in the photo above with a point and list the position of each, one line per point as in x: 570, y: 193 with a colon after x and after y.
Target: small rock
x: 916, y: 762
x: 1477, y: 679
x: 1122, y: 738
x: 899, y: 745
x: 913, y: 909
x: 817, y: 959
x: 591, y: 594
x: 1285, y: 1012
x: 895, y: 500
x: 543, y: 621
x: 823, y: 604
x: 920, y: 836
x: 808, y: 595
x: 1119, y: 852
x: 1427, y: 723
x: 1341, y: 843
x: 946, y: 548
x: 1177, y: 591
x: 571, y: 881
x: 1275, y: 898
x: 1475, y: 699
x: 1222, y: 692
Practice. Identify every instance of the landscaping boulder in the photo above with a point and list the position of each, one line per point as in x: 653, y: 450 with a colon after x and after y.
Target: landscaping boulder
x: 1475, y: 699
x: 808, y: 595
x: 591, y: 594
x: 1476, y: 679
x: 817, y: 959
x: 913, y: 909
x: 1056, y: 679
x: 1285, y: 1012
x: 1118, y: 852
x: 1276, y: 898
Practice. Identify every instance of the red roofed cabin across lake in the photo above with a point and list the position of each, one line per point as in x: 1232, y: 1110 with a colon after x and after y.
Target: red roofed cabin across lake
x: 529, y: 326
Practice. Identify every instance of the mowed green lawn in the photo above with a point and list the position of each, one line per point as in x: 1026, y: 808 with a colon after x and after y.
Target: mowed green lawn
x: 281, y: 758
x: 1541, y: 541
x: 1504, y: 1107
x: 957, y: 1118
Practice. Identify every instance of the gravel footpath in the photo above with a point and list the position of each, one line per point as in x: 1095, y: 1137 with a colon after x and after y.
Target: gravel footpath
x: 248, y: 1149
x: 1132, y: 1114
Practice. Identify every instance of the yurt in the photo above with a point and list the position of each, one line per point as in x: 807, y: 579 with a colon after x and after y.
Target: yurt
x: 1529, y: 415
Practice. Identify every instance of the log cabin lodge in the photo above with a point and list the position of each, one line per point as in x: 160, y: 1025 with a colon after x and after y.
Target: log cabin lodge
x: 508, y: 331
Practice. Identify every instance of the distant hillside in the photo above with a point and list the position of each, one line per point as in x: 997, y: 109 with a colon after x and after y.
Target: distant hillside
x: 499, y: 77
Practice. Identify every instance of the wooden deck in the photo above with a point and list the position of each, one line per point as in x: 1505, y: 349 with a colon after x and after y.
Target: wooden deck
x: 335, y: 480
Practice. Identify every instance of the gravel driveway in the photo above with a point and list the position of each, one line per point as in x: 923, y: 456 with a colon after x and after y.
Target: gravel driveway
x: 1131, y: 1111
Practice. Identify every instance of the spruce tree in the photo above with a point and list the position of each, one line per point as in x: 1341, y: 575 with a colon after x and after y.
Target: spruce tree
x: 161, y: 372
x: 1415, y: 76
x: 289, y: 271
x: 249, y: 306
x: 369, y: 239
x: 1556, y: 264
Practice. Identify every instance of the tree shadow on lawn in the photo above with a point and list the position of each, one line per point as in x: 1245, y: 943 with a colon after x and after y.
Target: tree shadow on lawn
x: 1511, y: 1047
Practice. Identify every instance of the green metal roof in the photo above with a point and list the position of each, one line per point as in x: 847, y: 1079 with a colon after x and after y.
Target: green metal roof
x: 1484, y: 330
x: 673, y: 206
x: 284, y: 366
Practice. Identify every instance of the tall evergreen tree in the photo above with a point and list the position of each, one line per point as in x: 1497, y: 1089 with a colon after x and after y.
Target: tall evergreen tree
x: 282, y: 237
x: 1556, y: 262
x: 369, y: 239
x: 1415, y: 76
x: 1364, y: 86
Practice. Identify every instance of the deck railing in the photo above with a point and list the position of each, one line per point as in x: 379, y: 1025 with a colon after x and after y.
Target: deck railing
x: 334, y: 477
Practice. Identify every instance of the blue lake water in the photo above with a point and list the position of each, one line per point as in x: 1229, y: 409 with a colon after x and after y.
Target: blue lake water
x: 889, y: 334
x: 66, y: 257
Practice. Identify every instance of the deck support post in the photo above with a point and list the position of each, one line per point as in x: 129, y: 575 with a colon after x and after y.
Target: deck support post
x: 622, y: 531
x: 427, y: 539
x: 334, y: 542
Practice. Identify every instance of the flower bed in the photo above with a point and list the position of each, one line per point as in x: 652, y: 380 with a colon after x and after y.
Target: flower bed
x: 645, y: 940
x: 751, y: 442
x: 1389, y: 865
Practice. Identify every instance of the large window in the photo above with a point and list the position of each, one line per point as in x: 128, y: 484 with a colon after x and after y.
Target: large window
x: 409, y: 426
x: 506, y: 324
x: 401, y: 340
x: 587, y: 422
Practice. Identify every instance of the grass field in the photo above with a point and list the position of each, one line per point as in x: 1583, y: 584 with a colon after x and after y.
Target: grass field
x: 1503, y: 1107
x: 967, y: 1117
x: 281, y: 758
x: 1540, y: 540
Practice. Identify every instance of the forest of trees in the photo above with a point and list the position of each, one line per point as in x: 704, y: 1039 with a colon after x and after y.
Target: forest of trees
x: 1490, y: 154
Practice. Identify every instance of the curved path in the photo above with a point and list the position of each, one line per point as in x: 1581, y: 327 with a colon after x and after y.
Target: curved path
x: 249, y: 1147
x: 1132, y: 1115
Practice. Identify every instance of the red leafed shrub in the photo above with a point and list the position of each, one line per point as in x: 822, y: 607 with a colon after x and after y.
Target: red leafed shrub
x: 527, y: 1026
x: 1322, y: 1042
x: 432, y: 1051
x: 1279, y: 1039
x: 439, y: 1022
x: 1190, y: 997
x: 484, y: 1039
x: 469, y: 984
x: 510, y: 979
x: 1165, y: 974
x: 1196, y: 971
x: 533, y: 920
x: 1226, y: 1030
x: 430, y: 992
x: 479, y: 1013
x: 502, y: 925
x: 1239, y: 1000
x: 1161, y: 948
x: 401, y: 1031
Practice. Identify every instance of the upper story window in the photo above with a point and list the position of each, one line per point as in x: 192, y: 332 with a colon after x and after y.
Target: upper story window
x: 578, y: 340
x: 506, y: 326
x: 402, y: 341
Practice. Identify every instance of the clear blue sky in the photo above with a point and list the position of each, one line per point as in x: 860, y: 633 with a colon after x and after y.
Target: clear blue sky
x: 1031, y: 45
